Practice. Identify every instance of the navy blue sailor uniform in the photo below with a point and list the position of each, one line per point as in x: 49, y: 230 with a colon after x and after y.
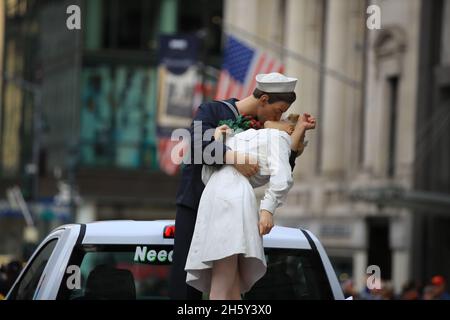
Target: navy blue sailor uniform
x: 209, y: 114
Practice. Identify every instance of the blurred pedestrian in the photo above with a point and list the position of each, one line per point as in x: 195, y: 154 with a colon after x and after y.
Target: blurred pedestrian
x: 440, y: 286
x: 410, y: 291
x: 8, y: 275
x: 370, y: 293
x: 387, y: 291
x: 349, y: 289
x: 2, y: 282
x: 428, y: 293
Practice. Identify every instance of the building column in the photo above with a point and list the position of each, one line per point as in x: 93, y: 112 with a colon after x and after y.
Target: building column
x: 270, y: 22
x: 400, y: 242
x: 333, y: 116
x: 359, y: 269
x: 341, y: 96
x: 400, y: 269
x: 241, y: 15
x: 302, y: 37
x: 258, y: 22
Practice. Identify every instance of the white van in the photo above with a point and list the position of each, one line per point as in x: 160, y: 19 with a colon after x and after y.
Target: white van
x: 130, y: 260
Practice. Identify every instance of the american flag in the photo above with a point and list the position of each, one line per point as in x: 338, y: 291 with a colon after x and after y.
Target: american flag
x: 166, y: 163
x: 240, y: 66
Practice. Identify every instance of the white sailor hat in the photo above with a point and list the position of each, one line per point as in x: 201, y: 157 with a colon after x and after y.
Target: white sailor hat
x: 275, y: 82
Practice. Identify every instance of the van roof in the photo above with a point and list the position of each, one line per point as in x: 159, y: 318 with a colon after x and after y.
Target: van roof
x: 151, y: 232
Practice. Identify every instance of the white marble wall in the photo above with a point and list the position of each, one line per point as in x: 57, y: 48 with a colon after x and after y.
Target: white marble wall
x: 403, y: 15
x: 342, y: 102
x: 259, y: 22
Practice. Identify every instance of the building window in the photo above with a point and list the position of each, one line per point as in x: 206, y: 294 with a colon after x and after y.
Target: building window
x: 125, y: 25
x: 130, y: 24
x: 393, y: 97
x: 118, y: 115
x: 137, y: 24
x: 205, y: 20
x: 379, y: 249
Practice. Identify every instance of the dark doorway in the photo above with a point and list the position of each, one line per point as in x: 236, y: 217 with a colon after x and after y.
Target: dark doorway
x: 379, y: 252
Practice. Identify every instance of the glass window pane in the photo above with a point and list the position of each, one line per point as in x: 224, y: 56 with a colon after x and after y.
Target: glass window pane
x: 131, y: 24
x: 30, y: 280
x: 118, y: 117
x: 291, y: 275
x: 117, y: 272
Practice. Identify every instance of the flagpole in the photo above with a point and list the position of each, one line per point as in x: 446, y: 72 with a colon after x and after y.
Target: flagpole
x: 286, y: 52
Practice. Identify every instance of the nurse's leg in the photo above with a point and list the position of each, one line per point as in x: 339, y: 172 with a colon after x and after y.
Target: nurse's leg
x: 236, y: 291
x: 223, y: 277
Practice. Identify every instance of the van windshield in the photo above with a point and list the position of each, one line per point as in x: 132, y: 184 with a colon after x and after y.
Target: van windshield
x: 129, y: 272
x: 118, y: 272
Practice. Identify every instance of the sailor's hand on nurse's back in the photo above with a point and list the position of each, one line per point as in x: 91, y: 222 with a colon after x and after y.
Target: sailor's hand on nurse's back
x: 244, y: 163
x: 265, y: 222
x: 221, y: 131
